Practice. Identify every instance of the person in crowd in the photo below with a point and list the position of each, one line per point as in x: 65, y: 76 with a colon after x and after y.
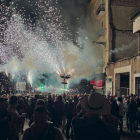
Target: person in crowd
x: 63, y: 99
x: 42, y: 129
x: 4, y: 118
x: 75, y: 100
x: 16, y: 119
x: 38, y: 103
x: 26, y: 106
x: 42, y: 102
x: 53, y: 112
x: 91, y: 126
x: 36, y: 97
x: 78, y: 107
x: 69, y: 116
x: 64, y: 117
x: 126, y: 107
x: 114, y: 108
x: 50, y: 97
x: 134, y: 97
x: 138, y: 112
x: 53, y: 97
x: 124, y: 100
x: 29, y: 100
x: 121, y: 112
x: 132, y: 114
x: 111, y: 99
x: 31, y: 108
x: 59, y: 106
x: 22, y: 108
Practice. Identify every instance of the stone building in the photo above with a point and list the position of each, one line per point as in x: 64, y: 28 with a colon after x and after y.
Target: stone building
x: 124, y: 47
x: 98, y: 10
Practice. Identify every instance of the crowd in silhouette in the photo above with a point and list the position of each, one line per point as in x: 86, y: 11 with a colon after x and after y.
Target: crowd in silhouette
x: 76, y: 117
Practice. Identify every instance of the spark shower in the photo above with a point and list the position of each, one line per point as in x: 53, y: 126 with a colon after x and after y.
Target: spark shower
x: 44, y: 47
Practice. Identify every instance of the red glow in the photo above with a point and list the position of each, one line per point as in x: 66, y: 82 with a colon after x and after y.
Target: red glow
x: 98, y: 83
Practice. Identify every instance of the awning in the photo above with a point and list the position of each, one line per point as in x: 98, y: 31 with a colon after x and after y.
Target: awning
x: 100, y: 88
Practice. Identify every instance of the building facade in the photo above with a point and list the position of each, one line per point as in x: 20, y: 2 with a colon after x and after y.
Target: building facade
x: 120, y: 41
x: 124, y: 48
x: 98, y: 10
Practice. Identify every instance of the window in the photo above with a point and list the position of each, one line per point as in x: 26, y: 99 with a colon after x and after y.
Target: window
x: 110, y: 79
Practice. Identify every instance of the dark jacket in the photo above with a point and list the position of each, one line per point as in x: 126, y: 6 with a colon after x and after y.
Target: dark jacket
x: 93, y: 128
x: 50, y: 133
x: 132, y: 109
x: 59, y: 106
x: 126, y: 108
x: 53, y: 112
x: 115, y: 109
x: 4, y: 126
x: 70, y: 109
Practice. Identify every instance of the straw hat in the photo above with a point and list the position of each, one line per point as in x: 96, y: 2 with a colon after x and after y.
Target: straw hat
x: 95, y: 103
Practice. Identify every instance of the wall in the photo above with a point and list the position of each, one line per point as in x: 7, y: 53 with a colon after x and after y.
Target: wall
x: 125, y: 2
x: 91, y: 6
x: 94, y: 5
x: 121, y: 33
x: 125, y: 44
x: 121, y: 17
x: 136, y: 24
x: 133, y: 62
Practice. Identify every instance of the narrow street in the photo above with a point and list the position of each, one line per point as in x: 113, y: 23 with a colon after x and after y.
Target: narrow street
x: 123, y: 137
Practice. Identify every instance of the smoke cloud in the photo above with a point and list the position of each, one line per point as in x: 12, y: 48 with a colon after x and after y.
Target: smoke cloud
x: 47, y: 38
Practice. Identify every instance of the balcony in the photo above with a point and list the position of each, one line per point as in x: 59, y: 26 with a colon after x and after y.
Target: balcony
x: 101, y: 36
x: 135, y: 13
x: 100, y: 11
x: 135, y: 18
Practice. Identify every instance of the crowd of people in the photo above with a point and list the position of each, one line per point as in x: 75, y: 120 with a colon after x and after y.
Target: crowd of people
x: 77, y: 117
x: 128, y: 107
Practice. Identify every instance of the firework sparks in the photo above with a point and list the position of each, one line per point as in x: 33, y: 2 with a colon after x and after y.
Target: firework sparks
x: 43, y: 43
x: 30, y: 80
x: 38, y: 46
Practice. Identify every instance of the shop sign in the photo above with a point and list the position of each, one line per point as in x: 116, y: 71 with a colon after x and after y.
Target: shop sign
x: 21, y: 86
x: 98, y: 83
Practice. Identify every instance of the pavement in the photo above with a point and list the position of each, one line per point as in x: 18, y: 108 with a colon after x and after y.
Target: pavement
x: 127, y: 135
x: 25, y: 127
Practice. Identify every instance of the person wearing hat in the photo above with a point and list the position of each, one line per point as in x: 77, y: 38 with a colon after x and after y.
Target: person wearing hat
x: 91, y: 126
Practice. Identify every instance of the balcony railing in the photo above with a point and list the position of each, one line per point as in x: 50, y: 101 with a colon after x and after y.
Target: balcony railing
x: 101, y: 8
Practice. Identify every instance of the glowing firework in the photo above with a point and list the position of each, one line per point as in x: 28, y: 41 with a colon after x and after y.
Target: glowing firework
x: 6, y: 72
x: 30, y: 80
